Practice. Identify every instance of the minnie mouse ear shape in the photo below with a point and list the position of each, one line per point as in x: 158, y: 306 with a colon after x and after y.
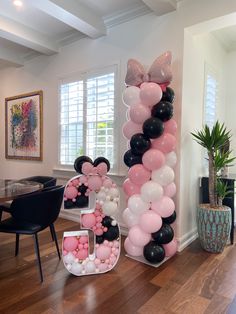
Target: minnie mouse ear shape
x: 99, y: 160
x: 79, y: 162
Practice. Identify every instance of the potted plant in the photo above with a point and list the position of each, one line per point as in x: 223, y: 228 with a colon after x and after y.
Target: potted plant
x: 214, y: 219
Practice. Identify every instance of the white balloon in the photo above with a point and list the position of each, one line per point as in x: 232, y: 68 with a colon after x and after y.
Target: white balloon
x: 164, y: 176
x: 114, y: 192
x: 69, y: 258
x: 151, y: 191
x: 101, y: 196
x: 131, y: 95
x: 90, y: 267
x: 109, y: 208
x: 171, y: 159
x: 76, y: 268
x: 130, y: 219
x: 137, y: 205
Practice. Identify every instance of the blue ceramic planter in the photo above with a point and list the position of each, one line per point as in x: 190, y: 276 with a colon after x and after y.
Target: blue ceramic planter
x: 214, y: 227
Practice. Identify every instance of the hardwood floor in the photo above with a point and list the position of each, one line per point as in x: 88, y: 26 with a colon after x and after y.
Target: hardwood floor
x: 193, y: 281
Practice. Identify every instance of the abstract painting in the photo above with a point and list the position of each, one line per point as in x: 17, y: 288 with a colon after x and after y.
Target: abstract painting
x: 24, y: 126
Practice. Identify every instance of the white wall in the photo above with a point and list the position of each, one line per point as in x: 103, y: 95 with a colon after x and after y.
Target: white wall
x: 198, y: 50
x: 143, y: 38
x: 231, y: 100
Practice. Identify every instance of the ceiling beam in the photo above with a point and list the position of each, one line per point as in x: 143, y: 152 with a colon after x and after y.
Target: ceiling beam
x: 160, y: 7
x: 11, y: 58
x: 73, y: 14
x: 25, y: 36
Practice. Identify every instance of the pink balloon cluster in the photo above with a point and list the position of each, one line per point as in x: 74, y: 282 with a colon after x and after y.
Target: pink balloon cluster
x: 150, y: 184
x: 97, y: 218
x: 79, y: 262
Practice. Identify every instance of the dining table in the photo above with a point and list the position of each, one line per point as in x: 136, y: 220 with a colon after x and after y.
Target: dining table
x: 11, y: 189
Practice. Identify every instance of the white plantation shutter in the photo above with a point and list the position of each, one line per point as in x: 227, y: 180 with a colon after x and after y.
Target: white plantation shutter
x: 211, y: 96
x: 87, y: 117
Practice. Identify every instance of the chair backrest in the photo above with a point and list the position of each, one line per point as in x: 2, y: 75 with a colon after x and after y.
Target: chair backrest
x: 40, y: 208
x: 45, y: 180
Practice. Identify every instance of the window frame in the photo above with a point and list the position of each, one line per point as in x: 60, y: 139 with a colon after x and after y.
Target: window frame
x: 84, y: 76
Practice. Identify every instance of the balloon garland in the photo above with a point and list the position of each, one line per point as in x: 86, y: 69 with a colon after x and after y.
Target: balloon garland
x: 151, y: 158
x: 92, y: 187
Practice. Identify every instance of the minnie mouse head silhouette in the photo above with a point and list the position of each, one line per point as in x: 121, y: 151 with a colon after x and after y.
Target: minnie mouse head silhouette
x: 85, y: 165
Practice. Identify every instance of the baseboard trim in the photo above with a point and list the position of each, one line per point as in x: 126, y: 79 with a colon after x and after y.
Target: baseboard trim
x: 186, y: 239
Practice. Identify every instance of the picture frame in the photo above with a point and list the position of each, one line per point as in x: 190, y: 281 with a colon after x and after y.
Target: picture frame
x: 23, y: 126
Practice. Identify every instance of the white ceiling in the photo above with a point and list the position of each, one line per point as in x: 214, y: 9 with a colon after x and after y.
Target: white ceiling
x: 43, y: 26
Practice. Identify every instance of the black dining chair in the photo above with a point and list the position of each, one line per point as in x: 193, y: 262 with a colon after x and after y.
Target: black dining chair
x: 33, y: 213
x: 47, y: 181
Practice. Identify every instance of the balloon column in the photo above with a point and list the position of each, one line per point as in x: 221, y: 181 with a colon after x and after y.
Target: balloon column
x: 151, y: 158
x: 103, y: 196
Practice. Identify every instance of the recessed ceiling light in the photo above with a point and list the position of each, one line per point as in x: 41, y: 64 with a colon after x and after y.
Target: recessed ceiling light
x: 18, y: 3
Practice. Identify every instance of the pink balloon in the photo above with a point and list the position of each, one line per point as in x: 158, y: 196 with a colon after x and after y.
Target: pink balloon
x: 170, y: 126
x: 107, y: 183
x: 165, y: 143
x: 102, y: 168
x: 150, y: 221
x: 130, y: 188
x: 130, y: 128
x: 102, y: 267
x: 82, y: 254
x: 170, y: 248
x: 170, y: 189
x: 103, y: 252
x: 70, y: 244
x: 139, y: 113
x: 88, y: 220
x: 153, y: 159
x: 83, y: 239
x: 150, y: 94
x: 164, y: 207
x: 138, y: 174
x: 138, y: 237
x: 132, y: 249
x: 94, y: 183
x: 71, y: 192
x: 87, y: 168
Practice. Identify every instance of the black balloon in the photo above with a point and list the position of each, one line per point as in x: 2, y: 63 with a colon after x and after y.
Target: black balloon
x: 139, y: 144
x: 112, y: 233
x: 82, y: 188
x: 68, y: 204
x: 168, y: 95
x: 130, y: 159
x: 81, y: 201
x: 163, y: 110
x: 164, y: 235
x: 98, y: 160
x: 170, y: 219
x: 153, y: 252
x: 99, y: 239
x: 79, y: 162
x: 106, y: 222
x: 153, y: 127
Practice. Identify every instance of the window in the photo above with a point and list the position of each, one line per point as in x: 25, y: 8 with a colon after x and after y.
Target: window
x: 211, y: 96
x: 87, y: 117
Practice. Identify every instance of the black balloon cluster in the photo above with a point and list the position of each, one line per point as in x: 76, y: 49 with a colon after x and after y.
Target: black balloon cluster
x: 153, y: 128
x: 154, y: 251
x: 112, y: 232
